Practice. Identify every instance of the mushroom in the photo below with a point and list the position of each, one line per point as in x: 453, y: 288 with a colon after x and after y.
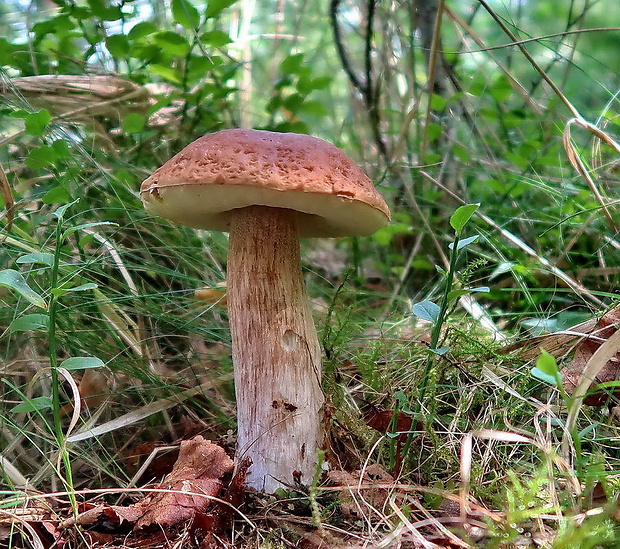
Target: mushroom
x: 268, y: 190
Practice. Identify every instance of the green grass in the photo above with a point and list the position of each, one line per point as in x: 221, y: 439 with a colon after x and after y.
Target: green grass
x: 484, y: 430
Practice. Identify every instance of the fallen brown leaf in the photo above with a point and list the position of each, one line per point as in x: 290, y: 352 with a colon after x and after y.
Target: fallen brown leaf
x: 195, y: 480
x: 555, y: 343
x: 107, y: 518
x: 605, y: 327
x: 94, y: 391
x: 383, y: 421
x: 361, y: 492
x: 162, y: 459
x: 198, y: 470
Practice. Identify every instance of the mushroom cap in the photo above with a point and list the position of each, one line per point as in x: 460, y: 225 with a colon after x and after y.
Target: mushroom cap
x: 231, y: 169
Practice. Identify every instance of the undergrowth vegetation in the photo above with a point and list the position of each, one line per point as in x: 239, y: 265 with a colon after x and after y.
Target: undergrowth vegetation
x: 491, y: 130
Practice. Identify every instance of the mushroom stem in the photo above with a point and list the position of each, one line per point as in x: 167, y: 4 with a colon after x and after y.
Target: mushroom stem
x: 276, y: 353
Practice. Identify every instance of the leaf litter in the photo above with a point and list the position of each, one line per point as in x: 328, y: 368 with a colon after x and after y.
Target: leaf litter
x: 190, y: 496
x: 602, y: 386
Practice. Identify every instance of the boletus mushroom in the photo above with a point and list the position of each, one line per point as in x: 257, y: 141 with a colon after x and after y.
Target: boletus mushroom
x: 268, y: 190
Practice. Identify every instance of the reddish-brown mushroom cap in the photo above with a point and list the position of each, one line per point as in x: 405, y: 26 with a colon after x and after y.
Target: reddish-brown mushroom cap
x: 233, y: 169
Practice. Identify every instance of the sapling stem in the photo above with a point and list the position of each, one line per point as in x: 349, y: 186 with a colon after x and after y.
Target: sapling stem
x: 53, y: 358
x: 435, y: 336
x: 51, y: 338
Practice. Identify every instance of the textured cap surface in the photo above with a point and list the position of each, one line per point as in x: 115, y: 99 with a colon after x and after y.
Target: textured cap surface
x: 233, y: 169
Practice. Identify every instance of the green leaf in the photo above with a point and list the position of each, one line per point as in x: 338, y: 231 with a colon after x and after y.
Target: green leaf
x: 479, y: 290
x: 293, y: 102
x: 76, y: 228
x: 117, y: 45
x: 84, y: 287
x: 45, y: 259
x: 133, y: 123
x: 455, y: 294
x: 461, y: 153
x: 426, y: 310
x: 172, y: 43
x: 465, y: 242
x: 433, y: 131
x: 315, y: 108
x: 168, y: 73
x: 440, y: 351
x: 502, y: 268
x: 31, y: 322
x: 215, y: 7
x: 82, y: 363
x: 61, y: 149
x: 542, y: 376
x: 140, y: 30
x: 15, y: 281
x: 400, y: 397
x: 501, y: 89
x: 215, y: 38
x: 438, y: 103
x: 587, y: 430
x: 40, y: 157
x: 61, y: 210
x: 607, y: 385
x: 292, y: 64
x: 78, y: 12
x: 461, y: 216
x: 199, y: 65
x: 66, y: 289
x: 56, y: 195
x: 37, y: 121
x: 7, y: 52
x: 306, y: 83
x: 60, y: 25
x: 105, y: 12
x: 547, y: 369
x: 185, y: 14
x: 33, y: 405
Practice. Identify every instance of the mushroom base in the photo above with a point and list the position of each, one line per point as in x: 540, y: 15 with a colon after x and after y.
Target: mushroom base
x: 276, y: 353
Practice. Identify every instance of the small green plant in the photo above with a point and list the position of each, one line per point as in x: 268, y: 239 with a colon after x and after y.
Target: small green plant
x: 533, y: 503
x: 62, y: 280
x: 547, y: 371
x: 289, y: 103
x: 438, y: 314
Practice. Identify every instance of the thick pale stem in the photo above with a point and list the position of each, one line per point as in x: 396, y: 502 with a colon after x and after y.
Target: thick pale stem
x: 276, y: 353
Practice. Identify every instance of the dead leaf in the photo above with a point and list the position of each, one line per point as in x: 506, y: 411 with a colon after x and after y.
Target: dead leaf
x: 361, y: 489
x: 162, y: 459
x: 381, y: 420
x: 94, y: 391
x: 107, y: 518
x: 198, y: 470
x: 556, y: 343
x: 9, y: 201
x: 605, y: 327
x: 212, y: 295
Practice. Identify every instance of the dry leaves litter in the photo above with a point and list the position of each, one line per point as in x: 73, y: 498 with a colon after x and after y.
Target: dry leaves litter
x: 187, y: 497
x: 603, y: 330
